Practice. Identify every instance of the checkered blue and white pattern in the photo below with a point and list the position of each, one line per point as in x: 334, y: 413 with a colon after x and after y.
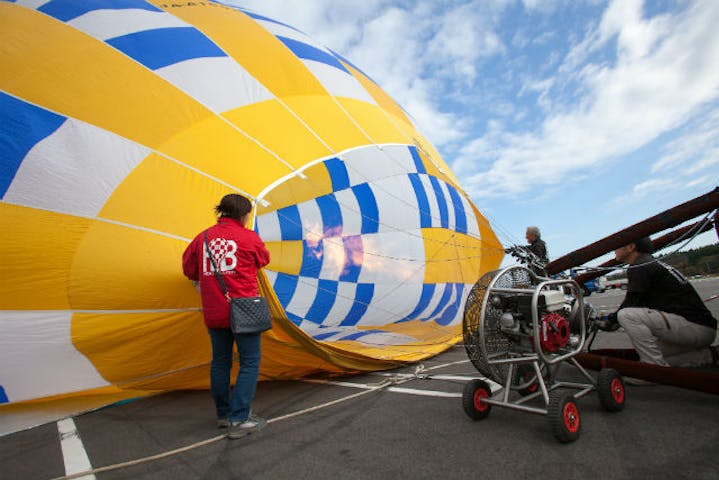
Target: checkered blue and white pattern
x: 174, y: 50
x: 364, y: 257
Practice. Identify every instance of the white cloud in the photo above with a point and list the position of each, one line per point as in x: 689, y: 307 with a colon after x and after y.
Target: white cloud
x: 695, y: 150
x: 461, y: 39
x: 659, y: 186
x: 654, y: 86
x: 643, y: 189
x: 707, y: 181
x: 334, y: 24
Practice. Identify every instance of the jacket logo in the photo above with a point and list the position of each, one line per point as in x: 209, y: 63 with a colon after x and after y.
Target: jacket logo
x: 223, y: 252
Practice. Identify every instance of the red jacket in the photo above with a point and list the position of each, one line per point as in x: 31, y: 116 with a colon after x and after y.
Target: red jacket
x: 238, y: 253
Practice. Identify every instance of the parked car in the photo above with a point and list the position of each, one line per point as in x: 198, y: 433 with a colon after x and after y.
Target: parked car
x: 589, y: 286
x: 614, y: 280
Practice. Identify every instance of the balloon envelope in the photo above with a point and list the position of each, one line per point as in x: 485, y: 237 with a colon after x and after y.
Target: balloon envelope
x: 124, y: 123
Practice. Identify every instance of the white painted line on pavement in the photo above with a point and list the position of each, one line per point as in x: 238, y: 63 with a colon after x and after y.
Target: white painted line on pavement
x: 411, y: 391
x: 419, y: 376
x: 462, y: 378
x: 426, y: 393
x: 339, y: 384
x: 73, y: 451
x: 435, y: 367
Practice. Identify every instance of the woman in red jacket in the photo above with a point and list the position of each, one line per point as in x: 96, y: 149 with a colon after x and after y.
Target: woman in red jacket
x: 238, y: 253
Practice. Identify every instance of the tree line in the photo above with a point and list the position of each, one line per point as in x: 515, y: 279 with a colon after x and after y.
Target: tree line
x: 698, y: 261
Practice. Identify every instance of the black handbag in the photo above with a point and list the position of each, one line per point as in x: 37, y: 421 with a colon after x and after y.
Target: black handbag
x: 250, y: 315
x: 247, y: 314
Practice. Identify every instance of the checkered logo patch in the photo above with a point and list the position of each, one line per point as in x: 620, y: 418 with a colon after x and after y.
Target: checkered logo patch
x: 223, y: 252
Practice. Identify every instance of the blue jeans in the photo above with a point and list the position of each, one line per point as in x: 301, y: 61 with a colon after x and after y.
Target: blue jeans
x: 234, y: 405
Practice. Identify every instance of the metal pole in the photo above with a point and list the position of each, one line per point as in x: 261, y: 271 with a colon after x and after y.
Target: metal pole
x: 658, y: 243
x: 667, y: 219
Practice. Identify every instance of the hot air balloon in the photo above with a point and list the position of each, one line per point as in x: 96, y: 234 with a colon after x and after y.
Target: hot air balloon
x: 123, y: 124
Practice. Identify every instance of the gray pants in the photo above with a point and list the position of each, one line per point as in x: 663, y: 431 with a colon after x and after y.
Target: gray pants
x: 666, y: 339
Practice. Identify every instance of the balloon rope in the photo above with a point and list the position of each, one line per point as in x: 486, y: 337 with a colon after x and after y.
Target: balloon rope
x: 395, y: 380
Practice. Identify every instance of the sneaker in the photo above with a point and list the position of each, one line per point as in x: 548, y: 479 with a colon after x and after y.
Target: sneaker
x: 251, y: 425
x: 223, y: 422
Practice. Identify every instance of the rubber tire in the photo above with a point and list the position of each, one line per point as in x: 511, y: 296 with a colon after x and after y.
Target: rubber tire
x: 610, y: 388
x: 473, y: 392
x: 523, y: 374
x: 564, y: 416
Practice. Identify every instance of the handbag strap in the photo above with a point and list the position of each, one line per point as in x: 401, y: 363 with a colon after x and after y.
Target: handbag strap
x: 216, y: 270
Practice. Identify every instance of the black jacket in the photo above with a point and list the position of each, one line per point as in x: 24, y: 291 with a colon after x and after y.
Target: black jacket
x: 654, y: 284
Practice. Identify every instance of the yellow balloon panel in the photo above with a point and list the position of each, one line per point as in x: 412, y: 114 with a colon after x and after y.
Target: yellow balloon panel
x: 121, y: 268
x: 215, y: 148
x: 378, y: 124
x: 163, y: 196
x: 332, y: 124
x: 296, y: 189
x: 36, y: 257
x: 451, y: 256
x: 275, y: 126
x: 286, y: 256
x: 127, y: 347
x: 492, y: 249
x: 384, y: 100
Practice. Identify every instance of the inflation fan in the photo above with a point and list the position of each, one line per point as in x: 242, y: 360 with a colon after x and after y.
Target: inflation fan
x: 518, y: 328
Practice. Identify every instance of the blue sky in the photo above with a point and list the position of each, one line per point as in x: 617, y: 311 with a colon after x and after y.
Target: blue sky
x: 580, y: 117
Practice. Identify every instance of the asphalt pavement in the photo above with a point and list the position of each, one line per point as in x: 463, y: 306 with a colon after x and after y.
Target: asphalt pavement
x: 404, y: 423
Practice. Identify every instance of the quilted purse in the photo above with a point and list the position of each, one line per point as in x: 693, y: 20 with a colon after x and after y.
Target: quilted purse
x: 250, y: 315
x: 247, y: 314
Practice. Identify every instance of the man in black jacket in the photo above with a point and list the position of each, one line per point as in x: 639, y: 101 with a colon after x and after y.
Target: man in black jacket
x: 662, y: 313
x: 536, y: 244
x: 538, y: 248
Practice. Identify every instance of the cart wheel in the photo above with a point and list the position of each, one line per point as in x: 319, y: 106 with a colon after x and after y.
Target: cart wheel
x: 526, y: 380
x: 563, y: 414
x: 610, y: 388
x: 472, y: 397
